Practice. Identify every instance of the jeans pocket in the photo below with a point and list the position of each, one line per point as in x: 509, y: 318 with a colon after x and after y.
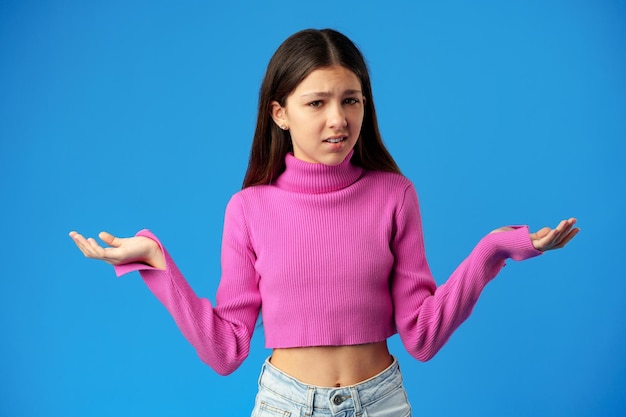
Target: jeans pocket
x: 265, y: 409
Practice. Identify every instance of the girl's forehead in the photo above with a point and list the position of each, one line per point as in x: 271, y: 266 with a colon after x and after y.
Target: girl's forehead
x: 330, y: 77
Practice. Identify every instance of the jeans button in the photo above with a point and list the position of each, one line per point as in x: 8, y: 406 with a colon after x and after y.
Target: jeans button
x: 337, y: 399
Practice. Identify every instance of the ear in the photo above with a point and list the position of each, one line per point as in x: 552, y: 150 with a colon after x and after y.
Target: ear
x: 278, y: 114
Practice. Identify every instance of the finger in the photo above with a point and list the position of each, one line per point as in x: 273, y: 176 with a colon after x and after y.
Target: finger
x: 90, y: 248
x: 566, y: 224
x: 75, y: 235
x: 105, y: 254
x: 561, y: 239
x: 564, y: 228
x: 567, y: 238
x: 109, y: 239
x: 541, y: 242
x: 87, y: 250
x: 96, y: 249
x: 561, y: 230
x: 81, y: 242
x: 541, y: 233
x: 542, y: 237
x: 561, y: 227
x: 92, y: 242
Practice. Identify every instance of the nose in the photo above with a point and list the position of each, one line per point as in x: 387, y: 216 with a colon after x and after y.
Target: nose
x: 336, y: 116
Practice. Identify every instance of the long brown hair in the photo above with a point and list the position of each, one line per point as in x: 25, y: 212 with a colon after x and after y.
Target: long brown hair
x: 298, y: 56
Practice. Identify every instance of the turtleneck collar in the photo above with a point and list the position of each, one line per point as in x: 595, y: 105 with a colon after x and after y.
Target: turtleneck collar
x: 310, y: 178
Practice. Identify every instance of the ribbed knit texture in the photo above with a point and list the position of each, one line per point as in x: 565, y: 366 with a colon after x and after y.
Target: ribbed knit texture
x: 333, y: 255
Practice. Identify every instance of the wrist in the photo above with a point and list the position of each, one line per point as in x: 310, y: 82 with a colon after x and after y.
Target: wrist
x: 515, y: 243
x: 153, y: 254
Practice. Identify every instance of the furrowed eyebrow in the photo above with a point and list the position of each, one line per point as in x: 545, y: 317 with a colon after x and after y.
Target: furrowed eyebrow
x: 325, y: 94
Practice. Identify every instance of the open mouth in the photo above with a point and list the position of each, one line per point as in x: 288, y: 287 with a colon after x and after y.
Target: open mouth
x: 336, y: 140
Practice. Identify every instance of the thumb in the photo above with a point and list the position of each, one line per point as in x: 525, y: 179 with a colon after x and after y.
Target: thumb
x: 109, y: 239
x: 541, y: 233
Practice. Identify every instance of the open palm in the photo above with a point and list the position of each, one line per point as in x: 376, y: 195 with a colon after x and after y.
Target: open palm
x: 120, y: 250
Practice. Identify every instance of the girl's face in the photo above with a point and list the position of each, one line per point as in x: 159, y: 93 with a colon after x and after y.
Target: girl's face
x: 324, y: 115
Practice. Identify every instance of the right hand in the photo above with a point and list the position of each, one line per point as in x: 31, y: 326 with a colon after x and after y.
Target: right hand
x: 121, y: 250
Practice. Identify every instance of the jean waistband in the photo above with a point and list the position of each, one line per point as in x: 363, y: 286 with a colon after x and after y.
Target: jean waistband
x: 352, y: 396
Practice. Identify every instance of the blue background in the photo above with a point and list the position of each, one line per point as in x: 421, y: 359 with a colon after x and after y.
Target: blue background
x: 121, y: 115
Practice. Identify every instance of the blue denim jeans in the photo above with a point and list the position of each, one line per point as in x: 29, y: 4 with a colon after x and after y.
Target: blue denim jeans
x: 282, y: 395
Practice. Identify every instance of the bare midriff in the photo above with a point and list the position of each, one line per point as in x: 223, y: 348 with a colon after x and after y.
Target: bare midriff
x: 333, y: 366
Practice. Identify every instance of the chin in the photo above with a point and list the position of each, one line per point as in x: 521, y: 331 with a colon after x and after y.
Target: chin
x: 334, y: 159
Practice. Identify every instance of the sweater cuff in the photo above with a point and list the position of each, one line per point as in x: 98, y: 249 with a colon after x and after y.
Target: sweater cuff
x: 515, y: 244
x: 124, y: 269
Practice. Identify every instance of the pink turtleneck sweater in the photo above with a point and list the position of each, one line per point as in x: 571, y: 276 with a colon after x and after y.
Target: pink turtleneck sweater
x: 331, y: 255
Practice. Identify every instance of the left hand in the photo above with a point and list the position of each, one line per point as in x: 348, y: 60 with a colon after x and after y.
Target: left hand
x: 546, y: 239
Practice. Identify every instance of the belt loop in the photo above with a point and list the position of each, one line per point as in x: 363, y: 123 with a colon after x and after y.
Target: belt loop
x: 310, y: 401
x: 261, y: 373
x: 357, y: 400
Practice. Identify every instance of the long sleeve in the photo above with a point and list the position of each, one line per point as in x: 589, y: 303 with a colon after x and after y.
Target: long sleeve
x: 427, y: 315
x: 221, y: 334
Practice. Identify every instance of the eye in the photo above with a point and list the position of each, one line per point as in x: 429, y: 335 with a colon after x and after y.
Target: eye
x: 351, y: 100
x: 315, y: 103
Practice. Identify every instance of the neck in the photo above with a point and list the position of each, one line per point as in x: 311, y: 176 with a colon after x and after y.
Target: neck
x: 306, y: 177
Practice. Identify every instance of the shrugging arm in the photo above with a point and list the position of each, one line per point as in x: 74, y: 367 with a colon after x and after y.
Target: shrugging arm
x: 221, y: 334
x: 427, y: 315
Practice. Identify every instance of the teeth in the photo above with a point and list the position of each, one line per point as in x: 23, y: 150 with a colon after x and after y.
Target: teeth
x: 335, y: 140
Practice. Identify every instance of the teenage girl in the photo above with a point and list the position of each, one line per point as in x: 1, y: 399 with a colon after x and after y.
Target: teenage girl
x: 325, y: 239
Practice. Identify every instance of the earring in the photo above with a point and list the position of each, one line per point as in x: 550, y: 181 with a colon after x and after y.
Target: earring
x: 283, y: 127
